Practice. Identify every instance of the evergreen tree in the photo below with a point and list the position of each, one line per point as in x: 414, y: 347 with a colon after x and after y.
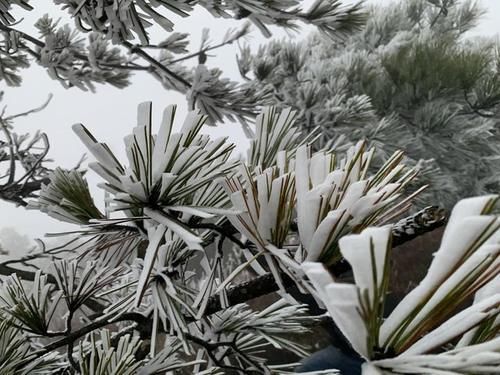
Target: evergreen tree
x: 125, y: 294
x: 295, y: 215
x: 411, y: 79
x: 110, y: 41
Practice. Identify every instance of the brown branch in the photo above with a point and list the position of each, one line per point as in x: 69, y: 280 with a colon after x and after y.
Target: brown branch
x: 202, y: 51
x: 6, y: 270
x: 224, y: 230
x: 15, y: 190
x: 8, y: 136
x: 422, y: 222
x: 16, y: 193
x: 39, y: 160
x: 219, y: 362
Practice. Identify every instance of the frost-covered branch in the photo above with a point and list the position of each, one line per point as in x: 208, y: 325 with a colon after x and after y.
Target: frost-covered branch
x: 74, y: 63
x: 430, y: 330
x: 23, y: 158
x: 170, y: 204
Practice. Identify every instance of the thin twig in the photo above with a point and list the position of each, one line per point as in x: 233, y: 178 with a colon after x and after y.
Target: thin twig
x: 100, y: 323
x: 146, y: 56
x: 28, y: 37
x: 210, y: 347
x: 200, y: 52
x: 12, y: 167
x: 222, y: 231
x: 34, y: 110
x: 69, y: 350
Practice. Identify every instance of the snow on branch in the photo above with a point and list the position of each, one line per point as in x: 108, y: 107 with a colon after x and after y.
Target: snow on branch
x: 420, y: 335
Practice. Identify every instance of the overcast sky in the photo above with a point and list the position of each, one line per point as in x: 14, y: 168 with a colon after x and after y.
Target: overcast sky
x: 110, y: 113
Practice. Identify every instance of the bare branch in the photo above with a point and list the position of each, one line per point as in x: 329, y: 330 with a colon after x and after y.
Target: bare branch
x: 29, y: 112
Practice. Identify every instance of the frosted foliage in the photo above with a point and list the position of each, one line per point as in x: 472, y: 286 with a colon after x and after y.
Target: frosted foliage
x: 420, y: 335
x: 155, y: 256
x: 329, y: 195
x: 411, y: 79
x: 151, y: 280
x: 107, y: 41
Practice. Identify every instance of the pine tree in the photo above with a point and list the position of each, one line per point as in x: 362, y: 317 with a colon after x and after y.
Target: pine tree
x: 140, y: 286
x: 411, y: 79
x: 293, y: 213
x: 110, y: 40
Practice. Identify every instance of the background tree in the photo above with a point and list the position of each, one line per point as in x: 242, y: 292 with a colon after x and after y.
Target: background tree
x: 411, y: 79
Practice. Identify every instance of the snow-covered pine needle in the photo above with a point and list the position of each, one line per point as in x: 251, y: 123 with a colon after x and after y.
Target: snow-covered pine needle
x: 424, y: 333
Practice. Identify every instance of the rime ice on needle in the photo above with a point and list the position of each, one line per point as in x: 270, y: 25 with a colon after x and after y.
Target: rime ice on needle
x: 420, y: 335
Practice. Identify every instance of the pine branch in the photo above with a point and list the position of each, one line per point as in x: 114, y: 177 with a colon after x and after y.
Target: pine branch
x: 15, y: 193
x: 146, y: 56
x: 30, y: 111
x: 404, y: 231
x: 201, y: 53
x: 240, y: 293
x: 100, y: 323
x: 422, y: 222
x: 24, y: 35
x: 40, y: 44
x: 34, y: 175
x: 244, y: 292
x: 6, y: 270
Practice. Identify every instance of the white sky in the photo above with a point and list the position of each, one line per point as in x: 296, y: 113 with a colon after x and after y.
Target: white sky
x: 110, y: 113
